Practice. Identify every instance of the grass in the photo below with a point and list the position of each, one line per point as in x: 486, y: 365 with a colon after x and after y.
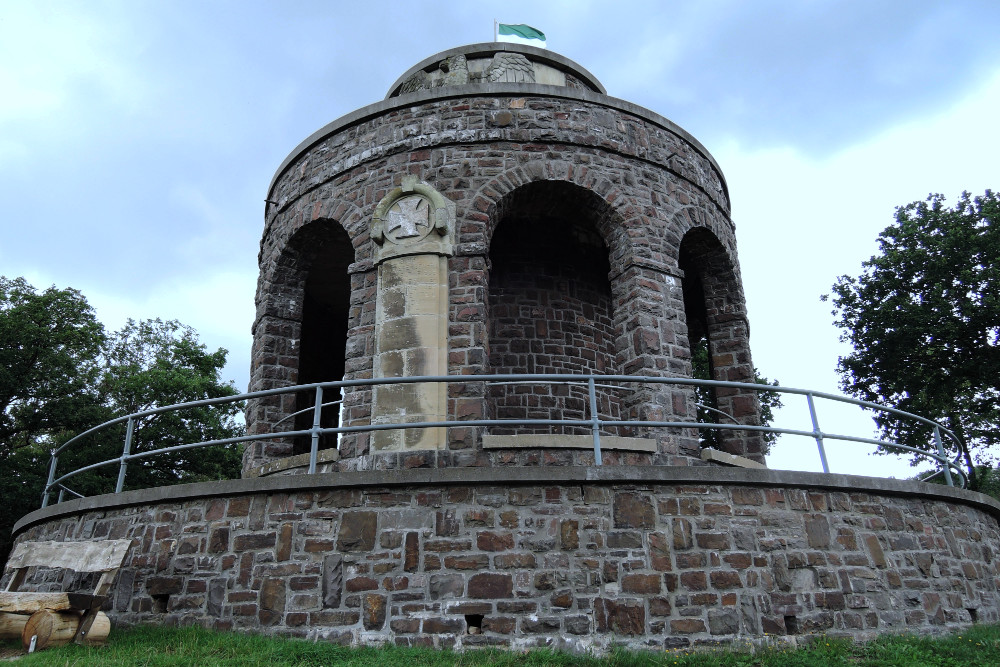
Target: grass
x: 158, y: 646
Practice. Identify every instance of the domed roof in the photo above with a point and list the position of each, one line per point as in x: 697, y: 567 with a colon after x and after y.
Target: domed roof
x: 494, y: 62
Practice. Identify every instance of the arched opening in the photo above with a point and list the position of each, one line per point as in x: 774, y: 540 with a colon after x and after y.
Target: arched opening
x: 550, y: 305
x: 696, y: 314
x: 324, y: 254
x: 718, y: 336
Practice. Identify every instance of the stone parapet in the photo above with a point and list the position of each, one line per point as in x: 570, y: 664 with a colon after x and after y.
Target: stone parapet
x: 575, y: 558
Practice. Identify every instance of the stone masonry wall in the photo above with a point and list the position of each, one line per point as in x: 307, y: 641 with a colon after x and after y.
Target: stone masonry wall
x: 573, y: 564
x: 477, y: 150
x: 550, y: 311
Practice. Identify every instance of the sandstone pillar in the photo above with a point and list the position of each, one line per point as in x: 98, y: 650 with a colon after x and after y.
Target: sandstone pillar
x: 413, y: 227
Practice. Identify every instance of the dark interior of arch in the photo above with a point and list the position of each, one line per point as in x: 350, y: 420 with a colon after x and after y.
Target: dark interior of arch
x: 324, y: 254
x: 550, y: 305
x: 708, y: 288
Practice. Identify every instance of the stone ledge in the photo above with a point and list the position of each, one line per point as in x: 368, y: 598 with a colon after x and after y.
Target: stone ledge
x: 567, y: 442
x: 725, y: 476
x: 726, y: 459
x: 297, y: 461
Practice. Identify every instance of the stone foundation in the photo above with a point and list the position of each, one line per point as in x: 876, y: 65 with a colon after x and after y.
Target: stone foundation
x: 568, y: 557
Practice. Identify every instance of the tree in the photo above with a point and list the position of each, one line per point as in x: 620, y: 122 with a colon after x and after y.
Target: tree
x: 49, y: 346
x: 924, y: 321
x: 61, y: 374
x: 155, y: 363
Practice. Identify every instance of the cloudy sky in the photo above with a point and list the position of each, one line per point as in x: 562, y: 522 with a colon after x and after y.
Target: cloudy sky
x: 137, y: 138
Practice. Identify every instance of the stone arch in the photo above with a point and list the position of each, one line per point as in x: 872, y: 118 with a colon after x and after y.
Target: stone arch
x: 715, y: 314
x: 598, y: 195
x: 551, y: 304
x: 301, y: 333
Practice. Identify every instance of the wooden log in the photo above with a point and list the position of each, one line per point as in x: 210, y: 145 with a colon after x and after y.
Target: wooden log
x: 56, y: 628
x: 11, y: 625
x: 28, y: 603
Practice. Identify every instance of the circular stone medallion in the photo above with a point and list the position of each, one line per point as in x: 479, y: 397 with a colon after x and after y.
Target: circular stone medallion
x: 408, y: 220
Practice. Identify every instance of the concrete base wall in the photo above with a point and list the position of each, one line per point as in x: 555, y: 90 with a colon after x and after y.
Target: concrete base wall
x: 574, y: 558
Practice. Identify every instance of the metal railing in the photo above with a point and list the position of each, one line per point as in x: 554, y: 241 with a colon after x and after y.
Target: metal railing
x: 595, y: 423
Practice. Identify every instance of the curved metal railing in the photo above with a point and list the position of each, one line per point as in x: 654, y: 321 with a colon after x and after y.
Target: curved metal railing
x: 595, y: 423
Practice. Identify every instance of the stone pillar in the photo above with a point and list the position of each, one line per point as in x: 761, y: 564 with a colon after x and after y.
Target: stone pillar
x: 729, y: 345
x: 413, y: 227
x: 649, y: 300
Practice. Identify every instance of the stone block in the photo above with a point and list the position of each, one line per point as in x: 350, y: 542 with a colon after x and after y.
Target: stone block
x: 514, y: 561
x: 440, y: 626
x: 490, y: 586
x: 569, y: 534
x: 623, y: 617
x: 723, y: 622
x: 373, y: 611
x: 634, y: 510
x: 645, y: 584
x: 446, y: 586
x: 254, y: 541
x: 357, y: 531
x: 411, y: 552
x: 272, y: 601
x: 818, y: 531
x: 492, y: 541
x: 333, y: 580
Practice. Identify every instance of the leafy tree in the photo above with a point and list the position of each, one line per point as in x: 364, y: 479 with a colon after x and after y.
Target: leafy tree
x: 49, y: 347
x: 60, y: 374
x: 154, y: 363
x: 707, y: 410
x: 924, y: 321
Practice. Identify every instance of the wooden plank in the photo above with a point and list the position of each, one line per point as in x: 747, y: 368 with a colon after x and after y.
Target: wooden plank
x: 93, y: 556
x: 29, y: 603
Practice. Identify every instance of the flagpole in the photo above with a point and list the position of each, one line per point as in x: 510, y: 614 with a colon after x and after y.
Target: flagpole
x: 495, y: 30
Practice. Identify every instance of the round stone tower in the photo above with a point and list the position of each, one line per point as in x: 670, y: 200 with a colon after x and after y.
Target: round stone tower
x: 497, y: 213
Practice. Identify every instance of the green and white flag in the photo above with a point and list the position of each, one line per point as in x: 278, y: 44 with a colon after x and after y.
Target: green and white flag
x: 520, y: 34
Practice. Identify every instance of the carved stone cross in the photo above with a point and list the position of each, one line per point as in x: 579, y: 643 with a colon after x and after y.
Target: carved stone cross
x: 407, y: 215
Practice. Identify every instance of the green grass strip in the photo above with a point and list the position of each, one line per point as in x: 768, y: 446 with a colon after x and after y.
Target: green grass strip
x: 162, y: 647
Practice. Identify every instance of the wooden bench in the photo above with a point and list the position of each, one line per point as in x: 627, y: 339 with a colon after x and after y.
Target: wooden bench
x: 50, y: 619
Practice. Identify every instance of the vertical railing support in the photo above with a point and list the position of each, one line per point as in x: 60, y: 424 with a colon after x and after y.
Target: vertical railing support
x: 944, y: 459
x: 818, y: 434
x: 595, y: 420
x: 129, y: 430
x: 314, y: 444
x: 52, y: 476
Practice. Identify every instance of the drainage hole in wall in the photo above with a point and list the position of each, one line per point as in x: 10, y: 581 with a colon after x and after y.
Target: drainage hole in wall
x: 791, y: 625
x: 972, y: 614
x: 160, y: 603
x: 475, y: 623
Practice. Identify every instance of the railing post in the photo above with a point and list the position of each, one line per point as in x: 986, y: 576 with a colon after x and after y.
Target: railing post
x: 314, y: 444
x: 595, y: 420
x: 125, y: 452
x: 944, y: 459
x: 818, y: 434
x: 52, y: 476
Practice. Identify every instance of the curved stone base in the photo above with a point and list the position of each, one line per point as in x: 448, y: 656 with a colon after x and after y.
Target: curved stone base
x: 575, y: 558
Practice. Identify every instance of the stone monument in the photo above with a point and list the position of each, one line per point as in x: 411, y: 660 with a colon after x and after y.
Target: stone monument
x: 498, y: 213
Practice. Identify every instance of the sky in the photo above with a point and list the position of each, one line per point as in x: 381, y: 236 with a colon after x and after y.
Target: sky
x: 138, y: 138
